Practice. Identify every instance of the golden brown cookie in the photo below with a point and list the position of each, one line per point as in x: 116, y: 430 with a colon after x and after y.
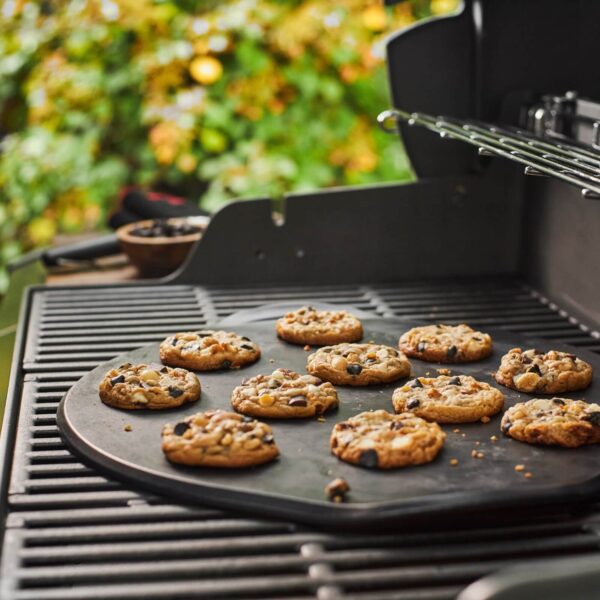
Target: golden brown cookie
x: 358, y: 364
x: 217, y: 438
x: 208, y: 350
x: 460, y: 399
x: 319, y: 327
x: 550, y: 372
x: 553, y: 422
x: 148, y: 386
x: 284, y: 395
x: 446, y: 343
x: 378, y: 439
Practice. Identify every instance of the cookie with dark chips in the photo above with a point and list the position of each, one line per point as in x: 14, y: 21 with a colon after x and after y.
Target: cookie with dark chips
x: 284, y: 394
x: 319, y: 327
x: 550, y: 372
x: 135, y: 387
x: 208, y: 350
x: 446, y: 343
x: 358, y: 364
x: 553, y: 422
x: 219, y: 439
x: 445, y: 399
x: 380, y: 440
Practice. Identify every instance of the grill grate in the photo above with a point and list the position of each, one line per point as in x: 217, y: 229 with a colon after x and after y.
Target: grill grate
x: 72, y: 533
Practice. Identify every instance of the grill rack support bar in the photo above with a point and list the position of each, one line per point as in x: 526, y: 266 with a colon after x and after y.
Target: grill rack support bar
x: 573, y: 164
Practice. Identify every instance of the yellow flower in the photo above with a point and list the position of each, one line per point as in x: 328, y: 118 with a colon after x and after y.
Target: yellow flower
x: 41, y: 231
x: 441, y: 7
x: 187, y: 163
x: 375, y: 18
x: 206, y: 69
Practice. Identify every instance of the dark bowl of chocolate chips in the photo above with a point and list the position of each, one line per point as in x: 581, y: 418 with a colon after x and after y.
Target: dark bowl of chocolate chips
x: 159, y: 246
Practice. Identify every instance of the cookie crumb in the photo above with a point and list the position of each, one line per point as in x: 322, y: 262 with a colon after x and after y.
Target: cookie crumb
x: 494, y: 438
x: 128, y: 428
x: 519, y: 467
x: 307, y: 348
x: 476, y: 454
x: 477, y: 443
x: 528, y: 475
x: 453, y: 461
x: 463, y: 434
x: 444, y: 371
x: 485, y: 419
x: 456, y: 431
x: 271, y: 360
x: 337, y: 489
x: 321, y: 419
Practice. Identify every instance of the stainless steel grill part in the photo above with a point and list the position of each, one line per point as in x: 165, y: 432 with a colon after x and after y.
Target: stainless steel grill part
x: 575, y: 164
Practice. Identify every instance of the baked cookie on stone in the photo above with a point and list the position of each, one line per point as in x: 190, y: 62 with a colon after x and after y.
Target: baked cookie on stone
x: 446, y: 343
x: 148, y: 386
x: 553, y: 422
x: 460, y: 399
x: 534, y: 371
x: 358, y: 364
x: 208, y: 350
x: 319, y: 327
x: 380, y: 440
x: 217, y: 438
x: 284, y: 395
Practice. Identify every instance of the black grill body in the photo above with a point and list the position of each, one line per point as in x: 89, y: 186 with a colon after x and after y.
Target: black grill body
x: 476, y: 243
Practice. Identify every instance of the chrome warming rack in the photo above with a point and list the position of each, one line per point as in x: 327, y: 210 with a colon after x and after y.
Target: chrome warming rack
x: 578, y: 164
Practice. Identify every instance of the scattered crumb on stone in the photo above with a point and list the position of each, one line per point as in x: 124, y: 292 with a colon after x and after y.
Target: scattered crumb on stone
x: 463, y: 434
x: 528, y: 475
x: 494, y: 438
x: 307, y: 348
x: 476, y: 454
x: 337, y: 489
x: 271, y: 360
x: 128, y: 428
x: 477, y: 443
x: 453, y: 461
x: 485, y: 419
x: 519, y: 467
x: 321, y: 419
x: 456, y: 431
x: 444, y: 371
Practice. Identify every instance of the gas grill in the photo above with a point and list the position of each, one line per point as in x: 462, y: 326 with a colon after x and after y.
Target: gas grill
x: 473, y: 241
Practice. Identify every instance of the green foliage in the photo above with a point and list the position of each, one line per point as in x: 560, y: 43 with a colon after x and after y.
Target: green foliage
x: 216, y: 100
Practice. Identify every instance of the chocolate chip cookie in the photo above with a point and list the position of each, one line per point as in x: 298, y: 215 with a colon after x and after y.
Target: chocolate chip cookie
x: 358, y: 364
x: 543, y: 372
x: 446, y: 343
x: 381, y: 440
x: 553, y: 422
x: 284, y: 395
x: 319, y: 327
x: 460, y: 399
x: 148, y: 386
x: 208, y: 350
x: 217, y: 438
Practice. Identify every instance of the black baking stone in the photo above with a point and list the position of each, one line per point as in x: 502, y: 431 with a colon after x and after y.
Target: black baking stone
x: 292, y: 487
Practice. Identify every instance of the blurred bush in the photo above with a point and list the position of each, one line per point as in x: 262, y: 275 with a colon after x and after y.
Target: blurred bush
x: 212, y: 100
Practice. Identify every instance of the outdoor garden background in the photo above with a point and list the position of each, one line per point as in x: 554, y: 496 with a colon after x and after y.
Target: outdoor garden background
x: 209, y: 100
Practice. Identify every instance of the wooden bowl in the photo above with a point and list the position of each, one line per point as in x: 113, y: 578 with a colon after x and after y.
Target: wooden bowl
x: 159, y: 256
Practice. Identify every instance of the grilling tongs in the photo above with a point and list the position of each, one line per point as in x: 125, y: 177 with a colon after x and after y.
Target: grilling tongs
x: 576, y: 164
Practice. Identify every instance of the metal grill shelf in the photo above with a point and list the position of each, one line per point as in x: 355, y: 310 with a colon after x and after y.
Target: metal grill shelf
x: 578, y: 165
x: 74, y: 534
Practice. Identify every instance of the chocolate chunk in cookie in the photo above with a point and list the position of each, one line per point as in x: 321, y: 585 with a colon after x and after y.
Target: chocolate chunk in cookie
x: 319, y: 327
x: 208, y: 350
x: 148, y: 386
x: 380, y: 440
x: 358, y: 364
x: 446, y: 343
x: 219, y: 439
x: 551, y: 372
x: 553, y: 422
x: 460, y: 399
x: 284, y: 395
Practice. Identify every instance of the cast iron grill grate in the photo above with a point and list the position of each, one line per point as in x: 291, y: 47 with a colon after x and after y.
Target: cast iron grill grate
x: 72, y: 533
